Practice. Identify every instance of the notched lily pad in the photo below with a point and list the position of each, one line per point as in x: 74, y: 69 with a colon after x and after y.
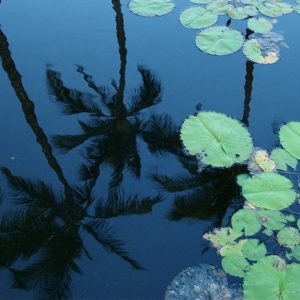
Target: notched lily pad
x: 222, y: 236
x: 151, y: 8
x: 197, y: 17
x: 254, y: 250
x: 289, y: 136
x: 271, y: 220
x: 269, y: 190
x: 247, y: 220
x: 260, y: 25
x: 288, y: 237
x: 219, y: 40
x: 220, y: 140
x: 235, y: 265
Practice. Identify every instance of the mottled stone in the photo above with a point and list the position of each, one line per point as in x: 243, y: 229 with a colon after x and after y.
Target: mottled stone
x: 203, y: 282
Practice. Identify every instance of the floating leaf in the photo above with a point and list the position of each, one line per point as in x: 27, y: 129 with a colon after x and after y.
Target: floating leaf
x: 268, y: 232
x: 198, y: 17
x: 222, y: 141
x: 288, y: 237
x: 253, y: 2
x: 151, y: 8
x: 255, y: 51
x: 270, y: 10
x: 220, y: 7
x: 246, y: 219
x: 237, y: 13
x: 241, y: 178
x: 223, y: 236
x: 271, y: 219
x: 283, y: 159
x: 235, y: 265
x: 219, y: 40
x: 269, y: 190
x: 233, y: 249
x: 296, y: 252
x: 297, y: 8
x: 201, y: 1
x: 251, y: 10
x: 298, y: 224
x: 253, y: 250
x: 261, y: 158
x: 289, y: 136
x: 290, y: 218
x: 260, y: 25
x: 271, y: 279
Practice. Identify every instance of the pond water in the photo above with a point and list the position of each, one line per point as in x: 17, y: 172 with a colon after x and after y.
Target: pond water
x: 66, y: 161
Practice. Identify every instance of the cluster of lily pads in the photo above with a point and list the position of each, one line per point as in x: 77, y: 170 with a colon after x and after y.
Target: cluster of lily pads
x: 260, y: 47
x: 221, y: 141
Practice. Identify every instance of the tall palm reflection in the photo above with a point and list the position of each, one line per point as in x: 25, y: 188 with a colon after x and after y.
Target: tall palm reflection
x: 45, y: 229
x: 114, y: 125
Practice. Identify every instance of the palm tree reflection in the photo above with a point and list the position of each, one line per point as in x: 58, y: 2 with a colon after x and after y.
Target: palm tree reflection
x: 45, y: 230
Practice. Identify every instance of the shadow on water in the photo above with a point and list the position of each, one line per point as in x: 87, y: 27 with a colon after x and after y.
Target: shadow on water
x: 45, y: 228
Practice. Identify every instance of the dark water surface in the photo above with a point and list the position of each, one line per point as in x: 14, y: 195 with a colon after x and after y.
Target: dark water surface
x: 85, y: 215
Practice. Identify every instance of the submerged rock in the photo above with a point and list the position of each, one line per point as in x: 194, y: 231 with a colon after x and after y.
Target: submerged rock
x: 203, y: 282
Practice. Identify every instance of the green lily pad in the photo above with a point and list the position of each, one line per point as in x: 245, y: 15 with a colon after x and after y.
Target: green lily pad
x: 285, y: 7
x: 198, y: 17
x: 241, y: 178
x: 201, y: 1
x: 221, y: 140
x: 298, y: 224
x: 283, y: 159
x: 260, y: 25
x: 271, y: 219
x: 222, y: 237
x: 219, y: 40
x: 151, y: 8
x: 235, y: 265
x: 251, y: 10
x: 268, y: 232
x: 253, y: 250
x: 290, y: 218
x: 219, y: 7
x: 296, y: 252
x: 237, y: 13
x: 252, y: 2
x: 271, y: 279
x: 270, y: 10
x: 254, y: 51
x: 297, y: 8
x: 288, y: 237
x: 247, y: 220
x: 269, y: 190
x: 289, y: 136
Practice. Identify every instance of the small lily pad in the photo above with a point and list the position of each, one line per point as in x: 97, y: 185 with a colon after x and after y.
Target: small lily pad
x: 289, y: 136
x: 219, y: 40
x: 288, y: 237
x: 200, y: 1
x: 237, y: 13
x: 269, y: 190
x: 197, y: 17
x: 233, y: 249
x: 253, y: 250
x: 283, y: 159
x: 260, y: 25
x: 235, y: 265
x: 223, y: 236
x: 296, y: 252
x: 271, y: 219
x: 151, y: 8
x: 220, y: 7
x: 247, y: 220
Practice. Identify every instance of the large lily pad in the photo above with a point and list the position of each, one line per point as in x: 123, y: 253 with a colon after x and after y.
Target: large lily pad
x: 283, y: 159
x: 220, y: 140
x: 247, y: 220
x: 256, y: 51
x: 219, y: 40
x: 237, y: 13
x: 198, y: 17
x: 288, y: 237
x: 289, y: 136
x: 269, y: 190
x: 271, y: 279
x: 151, y: 8
x: 260, y: 25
